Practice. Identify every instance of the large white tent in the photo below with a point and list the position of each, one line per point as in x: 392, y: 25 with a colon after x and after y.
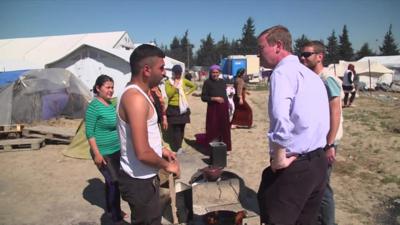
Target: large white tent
x: 85, y: 55
x: 87, y: 62
x: 370, y: 73
x: 35, y: 52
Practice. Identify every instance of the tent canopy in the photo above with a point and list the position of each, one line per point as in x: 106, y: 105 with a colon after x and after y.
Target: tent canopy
x: 42, y: 95
x: 362, y: 68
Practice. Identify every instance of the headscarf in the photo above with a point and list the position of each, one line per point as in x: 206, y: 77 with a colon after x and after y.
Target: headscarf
x: 214, y: 67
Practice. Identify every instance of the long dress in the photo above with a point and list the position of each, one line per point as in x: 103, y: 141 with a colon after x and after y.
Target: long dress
x: 217, y: 118
x: 243, y: 115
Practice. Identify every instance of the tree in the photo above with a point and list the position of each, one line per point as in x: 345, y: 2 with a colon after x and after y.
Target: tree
x: 299, y: 44
x: 364, y: 51
x: 345, y: 49
x: 332, y: 50
x: 223, y: 48
x: 186, y: 49
x: 206, y: 55
x: 248, y: 43
x: 389, y: 46
x: 174, y: 49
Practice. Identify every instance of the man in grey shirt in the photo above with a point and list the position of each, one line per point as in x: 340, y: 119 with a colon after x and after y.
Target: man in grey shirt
x: 292, y: 186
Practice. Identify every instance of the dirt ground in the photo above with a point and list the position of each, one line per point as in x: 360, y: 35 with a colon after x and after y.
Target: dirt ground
x: 45, y: 187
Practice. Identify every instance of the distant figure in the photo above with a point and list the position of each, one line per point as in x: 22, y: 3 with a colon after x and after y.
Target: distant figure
x: 350, y: 85
x: 218, y: 127
x: 312, y: 56
x: 292, y: 186
x: 102, y: 135
x: 230, y: 92
x: 243, y: 116
x: 142, y: 154
x: 188, y: 76
x: 178, y: 111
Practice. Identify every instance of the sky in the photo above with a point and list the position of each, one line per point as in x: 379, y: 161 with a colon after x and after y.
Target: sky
x: 162, y: 20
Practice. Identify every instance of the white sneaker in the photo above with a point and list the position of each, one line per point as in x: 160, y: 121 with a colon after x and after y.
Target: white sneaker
x: 180, y: 151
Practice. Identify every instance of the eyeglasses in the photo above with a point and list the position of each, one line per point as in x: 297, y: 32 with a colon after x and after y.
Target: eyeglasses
x: 307, y: 54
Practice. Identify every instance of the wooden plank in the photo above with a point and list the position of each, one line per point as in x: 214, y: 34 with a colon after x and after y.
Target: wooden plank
x: 64, y: 135
x: 21, y: 144
x: 11, y: 128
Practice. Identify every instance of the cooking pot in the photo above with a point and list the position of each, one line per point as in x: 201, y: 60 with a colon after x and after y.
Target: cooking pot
x: 211, y: 173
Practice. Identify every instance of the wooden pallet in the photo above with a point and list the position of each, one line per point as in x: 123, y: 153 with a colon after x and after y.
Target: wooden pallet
x: 12, y: 128
x: 21, y: 144
x: 58, y: 134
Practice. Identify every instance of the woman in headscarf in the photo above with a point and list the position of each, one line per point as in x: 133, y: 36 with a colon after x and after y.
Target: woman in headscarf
x: 178, y: 112
x: 243, y: 115
x: 218, y: 127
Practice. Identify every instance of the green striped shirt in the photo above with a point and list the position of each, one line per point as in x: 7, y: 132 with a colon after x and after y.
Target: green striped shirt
x: 101, y: 123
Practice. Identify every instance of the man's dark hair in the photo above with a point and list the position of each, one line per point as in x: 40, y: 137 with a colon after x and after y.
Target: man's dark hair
x: 278, y: 33
x: 318, y: 46
x: 140, y: 54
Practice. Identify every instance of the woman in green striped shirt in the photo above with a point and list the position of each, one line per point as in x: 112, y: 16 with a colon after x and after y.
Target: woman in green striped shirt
x: 102, y: 135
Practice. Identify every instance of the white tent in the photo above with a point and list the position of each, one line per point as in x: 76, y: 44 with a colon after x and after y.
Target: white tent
x: 35, y: 52
x: 374, y: 69
x: 87, y: 62
x: 370, y: 73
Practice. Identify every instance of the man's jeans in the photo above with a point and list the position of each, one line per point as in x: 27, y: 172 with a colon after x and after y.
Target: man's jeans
x: 327, y: 210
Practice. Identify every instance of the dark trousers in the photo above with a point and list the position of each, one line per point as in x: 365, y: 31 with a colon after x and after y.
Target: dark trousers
x: 293, y: 195
x: 346, y: 97
x: 143, y: 197
x: 176, y: 133
x: 112, y: 193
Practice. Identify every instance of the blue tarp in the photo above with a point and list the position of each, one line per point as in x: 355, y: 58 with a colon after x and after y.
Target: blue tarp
x: 10, y: 76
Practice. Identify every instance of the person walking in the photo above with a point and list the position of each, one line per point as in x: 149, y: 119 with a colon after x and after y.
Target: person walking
x: 243, y: 115
x: 142, y: 154
x: 178, y: 111
x: 312, y: 56
x: 218, y: 127
x: 102, y: 135
x: 292, y: 186
x: 350, y: 85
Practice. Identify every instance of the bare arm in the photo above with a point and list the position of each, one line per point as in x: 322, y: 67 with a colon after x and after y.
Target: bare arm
x: 137, y: 110
x: 335, y: 111
x: 98, y: 158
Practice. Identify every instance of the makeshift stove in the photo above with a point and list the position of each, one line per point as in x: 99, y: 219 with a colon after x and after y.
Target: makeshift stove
x: 214, y: 196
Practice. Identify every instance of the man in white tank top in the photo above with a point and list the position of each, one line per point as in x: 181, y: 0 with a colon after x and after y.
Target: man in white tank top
x: 142, y: 154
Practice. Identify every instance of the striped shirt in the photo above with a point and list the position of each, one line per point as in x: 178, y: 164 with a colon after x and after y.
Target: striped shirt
x: 101, y: 123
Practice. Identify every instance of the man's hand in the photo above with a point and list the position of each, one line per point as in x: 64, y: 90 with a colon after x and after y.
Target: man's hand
x: 331, y: 155
x: 173, y: 167
x: 169, y: 155
x: 277, y: 164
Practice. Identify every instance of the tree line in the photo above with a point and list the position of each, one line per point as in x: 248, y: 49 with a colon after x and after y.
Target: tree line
x: 212, y: 51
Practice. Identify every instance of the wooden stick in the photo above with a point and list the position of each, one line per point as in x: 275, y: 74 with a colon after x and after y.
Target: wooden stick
x: 171, y: 183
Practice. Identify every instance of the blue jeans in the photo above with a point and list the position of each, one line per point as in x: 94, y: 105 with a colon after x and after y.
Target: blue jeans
x: 327, y: 209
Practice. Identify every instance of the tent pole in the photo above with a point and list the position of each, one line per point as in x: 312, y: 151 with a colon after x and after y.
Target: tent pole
x: 369, y: 72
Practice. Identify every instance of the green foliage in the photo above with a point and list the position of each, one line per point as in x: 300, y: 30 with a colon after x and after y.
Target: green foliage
x: 364, y: 51
x: 389, y: 46
x: 332, y: 50
x: 207, y: 54
x: 248, y: 43
x: 345, y: 49
x: 299, y: 44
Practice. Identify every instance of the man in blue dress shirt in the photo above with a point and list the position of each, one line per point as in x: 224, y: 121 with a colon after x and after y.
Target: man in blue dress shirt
x: 292, y: 186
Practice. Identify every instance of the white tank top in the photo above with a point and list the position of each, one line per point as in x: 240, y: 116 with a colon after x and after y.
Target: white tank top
x: 129, y: 162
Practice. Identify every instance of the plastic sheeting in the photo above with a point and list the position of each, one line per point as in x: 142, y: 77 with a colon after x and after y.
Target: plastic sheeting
x: 42, y: 95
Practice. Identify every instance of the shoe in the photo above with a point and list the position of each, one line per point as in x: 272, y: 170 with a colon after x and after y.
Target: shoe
x: 180, y: 151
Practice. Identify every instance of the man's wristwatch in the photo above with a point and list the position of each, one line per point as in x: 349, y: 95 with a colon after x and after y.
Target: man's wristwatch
x: 328, y: 146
